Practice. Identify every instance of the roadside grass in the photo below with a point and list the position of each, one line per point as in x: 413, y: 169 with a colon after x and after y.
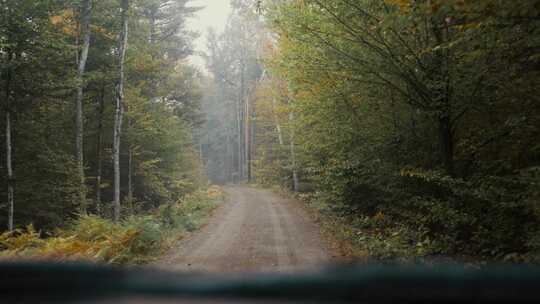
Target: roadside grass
x: 380, y: 238
x: 336, y: 229
x: 369, y: 239
x: 364, y: 238
x: 137, y: 239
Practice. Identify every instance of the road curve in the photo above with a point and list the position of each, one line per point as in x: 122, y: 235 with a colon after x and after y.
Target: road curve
x: 253, y: 231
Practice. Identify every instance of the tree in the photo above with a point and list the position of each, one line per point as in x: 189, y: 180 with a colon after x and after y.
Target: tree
x: 119, y: 111
x: 85, y: 17
x: 233, y: 61
x: 415, y: 109
x: 28, y: 42
x: 9, y: 149
x: 44, y: 38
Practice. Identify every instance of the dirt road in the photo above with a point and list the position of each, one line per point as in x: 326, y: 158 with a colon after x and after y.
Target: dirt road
x: 255, y: 230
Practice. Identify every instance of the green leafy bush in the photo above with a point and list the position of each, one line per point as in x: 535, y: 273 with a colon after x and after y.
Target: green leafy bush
x: 425, y: 214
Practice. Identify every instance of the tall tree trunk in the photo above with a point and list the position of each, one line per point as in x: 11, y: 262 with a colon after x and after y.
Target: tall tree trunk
x: 293, y: 154
x: 292, y: 145
x: 228, y: 161
x: 248, y: 140
x: 119, y: 112
x: 130, y: 179
x: 85, y: 31
x: 9, y: 165
x: 201, y: 158
x: 152, y: 21
x: 99, y: 156
x: 276, y: 122
x: 252, y: 143
x: 11, y: 198
x: 239, y: 139
x: 442, y: 66
x: 130, y: 174
x: 446, y: 143
x: 242, y: 117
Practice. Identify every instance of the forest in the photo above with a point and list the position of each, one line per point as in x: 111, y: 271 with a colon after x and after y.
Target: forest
x: 411, y: 127
x: 99, y: 107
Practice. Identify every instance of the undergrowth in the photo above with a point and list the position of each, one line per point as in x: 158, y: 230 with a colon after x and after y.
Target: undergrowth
x: 369, y: 238
x: 383, y: 237
x: 137, y: 239
x: 376, y: 238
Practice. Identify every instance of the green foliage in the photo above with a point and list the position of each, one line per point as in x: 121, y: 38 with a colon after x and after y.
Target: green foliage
x: 39, y: 46
x: 186, y: 214
x: 136, y: 240
x: 415, y: 120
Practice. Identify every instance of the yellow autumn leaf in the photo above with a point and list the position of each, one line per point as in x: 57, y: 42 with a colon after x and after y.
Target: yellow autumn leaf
x: 65, y: 21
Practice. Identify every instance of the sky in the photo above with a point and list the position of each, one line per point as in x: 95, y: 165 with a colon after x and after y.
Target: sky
x: 213, y: 15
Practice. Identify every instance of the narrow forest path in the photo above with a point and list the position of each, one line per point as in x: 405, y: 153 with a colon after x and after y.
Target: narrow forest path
x: 255, y: 230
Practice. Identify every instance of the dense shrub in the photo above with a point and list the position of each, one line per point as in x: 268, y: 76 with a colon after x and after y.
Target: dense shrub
x: 426, y: 214
x: 136, y: 240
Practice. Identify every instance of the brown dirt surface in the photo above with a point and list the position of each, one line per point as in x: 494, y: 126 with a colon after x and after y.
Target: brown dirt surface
x: 255, y: 230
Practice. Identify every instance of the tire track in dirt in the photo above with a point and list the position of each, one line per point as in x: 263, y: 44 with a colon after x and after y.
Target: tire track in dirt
x: 254, y: 230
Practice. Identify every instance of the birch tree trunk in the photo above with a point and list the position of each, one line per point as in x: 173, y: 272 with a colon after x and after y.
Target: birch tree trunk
x: 85, y: 31
x: 276, y: 122
x: 9, y: 165
x: 119, y: 112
